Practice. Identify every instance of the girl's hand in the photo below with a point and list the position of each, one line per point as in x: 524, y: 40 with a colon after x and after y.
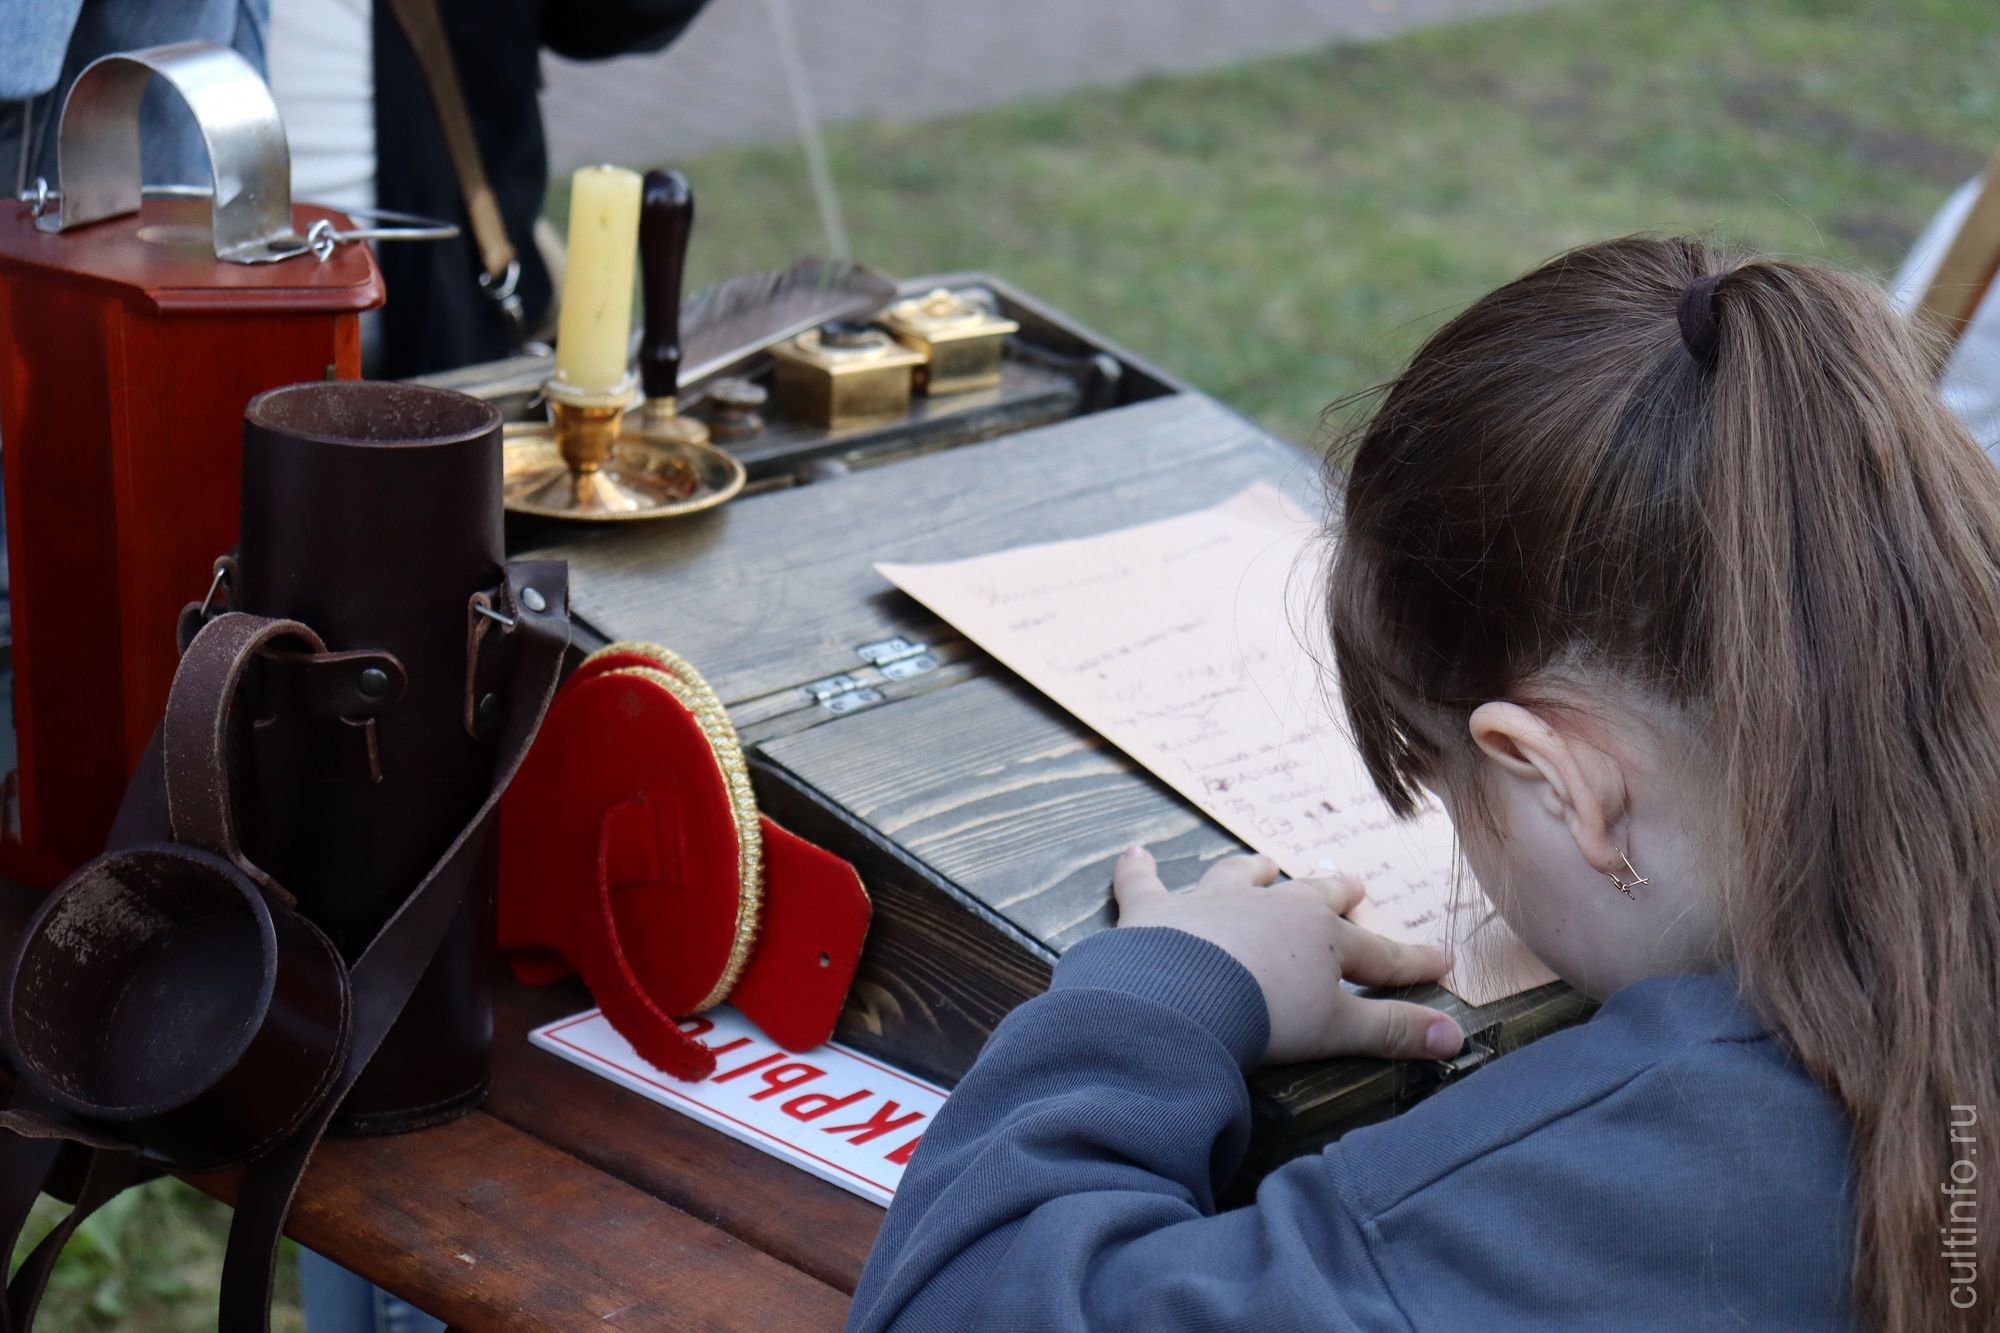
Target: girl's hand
x: 1294, y: 938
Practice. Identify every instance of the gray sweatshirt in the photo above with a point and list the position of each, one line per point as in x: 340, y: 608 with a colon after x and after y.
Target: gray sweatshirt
x: 1666, y: 1165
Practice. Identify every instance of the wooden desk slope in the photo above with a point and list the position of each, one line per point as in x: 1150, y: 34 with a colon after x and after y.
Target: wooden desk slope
x: 982, y: 817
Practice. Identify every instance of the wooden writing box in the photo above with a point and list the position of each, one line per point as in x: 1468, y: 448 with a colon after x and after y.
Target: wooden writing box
x: 982, y: 817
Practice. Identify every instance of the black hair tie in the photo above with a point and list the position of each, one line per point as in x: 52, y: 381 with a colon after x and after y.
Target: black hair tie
x: 1700, y: 317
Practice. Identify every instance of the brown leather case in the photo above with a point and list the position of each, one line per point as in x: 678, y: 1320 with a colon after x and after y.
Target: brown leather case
x: 379, y: 544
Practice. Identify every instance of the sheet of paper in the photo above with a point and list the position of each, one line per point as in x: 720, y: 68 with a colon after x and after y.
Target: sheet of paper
x: 1191, y: 644
x: 832, y: 1111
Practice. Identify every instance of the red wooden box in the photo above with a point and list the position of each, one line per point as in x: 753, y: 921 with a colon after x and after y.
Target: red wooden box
x: 129, y: 353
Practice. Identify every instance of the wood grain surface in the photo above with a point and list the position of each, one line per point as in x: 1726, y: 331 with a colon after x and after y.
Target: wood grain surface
x: 939, y: 969
x: 1017, y: 812
x: 768, y: 594
x: 488, y: 1227
x: 808, y: 1223
x: 1001, y: 791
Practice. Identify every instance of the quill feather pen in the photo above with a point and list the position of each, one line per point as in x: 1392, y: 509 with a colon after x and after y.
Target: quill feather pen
x: 727, y: 326
x: 724, y: 328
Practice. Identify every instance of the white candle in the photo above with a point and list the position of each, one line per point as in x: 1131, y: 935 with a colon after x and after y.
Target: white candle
x: 594, y: 329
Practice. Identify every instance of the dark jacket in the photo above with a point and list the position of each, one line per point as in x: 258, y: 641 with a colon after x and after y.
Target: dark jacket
x: 438, y: 317
x: 1665, y: 1166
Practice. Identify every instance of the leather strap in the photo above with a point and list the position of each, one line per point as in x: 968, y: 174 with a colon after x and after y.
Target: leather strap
x: 354, y: 685
x: 33, y: 1158
x: 389, y: 968
x: 25, y: 1165
x: 106, y: 1176
x: 382, y: 978
x: 194, y: 736
x: 424, y: 27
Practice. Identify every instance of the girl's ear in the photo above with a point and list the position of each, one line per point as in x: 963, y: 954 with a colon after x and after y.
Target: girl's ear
x: 1568, y: 777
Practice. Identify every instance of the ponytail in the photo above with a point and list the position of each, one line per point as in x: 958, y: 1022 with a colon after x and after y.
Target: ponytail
x: 1854, y: 586
x: 1734, y: 481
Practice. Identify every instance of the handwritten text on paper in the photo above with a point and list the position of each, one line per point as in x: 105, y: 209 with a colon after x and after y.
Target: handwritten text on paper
x: 1193, y: 644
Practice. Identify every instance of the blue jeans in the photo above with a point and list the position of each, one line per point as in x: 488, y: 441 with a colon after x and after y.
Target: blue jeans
x: 336, y: 1301
x: 48, y: 42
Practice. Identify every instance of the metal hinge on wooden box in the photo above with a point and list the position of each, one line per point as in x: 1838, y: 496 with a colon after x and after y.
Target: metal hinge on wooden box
x: 897, y: 658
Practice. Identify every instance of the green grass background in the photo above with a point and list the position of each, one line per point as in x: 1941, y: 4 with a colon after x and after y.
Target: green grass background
x: 1283, y: 233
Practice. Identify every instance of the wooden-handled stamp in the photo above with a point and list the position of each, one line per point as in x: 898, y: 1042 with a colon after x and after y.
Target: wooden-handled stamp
x: 666, y: 220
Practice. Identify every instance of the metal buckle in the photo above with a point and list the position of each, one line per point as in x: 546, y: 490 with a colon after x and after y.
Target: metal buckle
x: 504, y: 295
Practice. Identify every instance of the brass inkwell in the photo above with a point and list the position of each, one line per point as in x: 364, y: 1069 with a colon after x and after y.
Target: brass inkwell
x: 960, y: 335
x: 844, y: 372
x: 591, y: 460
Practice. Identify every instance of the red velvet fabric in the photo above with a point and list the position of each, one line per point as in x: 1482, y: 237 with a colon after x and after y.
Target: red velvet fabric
x: 620, y: 860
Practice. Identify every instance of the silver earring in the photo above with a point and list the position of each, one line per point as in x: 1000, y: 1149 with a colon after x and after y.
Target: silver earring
x: 1625, y: 886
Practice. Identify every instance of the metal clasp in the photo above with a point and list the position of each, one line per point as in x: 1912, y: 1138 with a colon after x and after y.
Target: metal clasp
x: 841, y: 694
x: 503, y: 293
x: 898, y: 658
x: 1422, y: 1077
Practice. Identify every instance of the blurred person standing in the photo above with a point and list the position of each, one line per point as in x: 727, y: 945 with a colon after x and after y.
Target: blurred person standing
x: 47, y: 44
x: 367, y: 89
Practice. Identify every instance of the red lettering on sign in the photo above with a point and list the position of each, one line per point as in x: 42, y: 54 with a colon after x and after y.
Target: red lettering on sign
x: 741, y: 1070
x: 697, y: 1027
x: 820, y: 1103
x: 778, y: 1083
x: 728, y: 1046
x: 901, y: 1157
x: 884, y: 1121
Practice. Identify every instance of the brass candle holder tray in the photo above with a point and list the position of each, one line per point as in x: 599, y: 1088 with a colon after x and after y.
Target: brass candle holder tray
x: 1053, y: 369
x: 642, y: 477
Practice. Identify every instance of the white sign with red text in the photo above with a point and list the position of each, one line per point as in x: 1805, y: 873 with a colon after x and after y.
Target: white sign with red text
x: 831, y: 1111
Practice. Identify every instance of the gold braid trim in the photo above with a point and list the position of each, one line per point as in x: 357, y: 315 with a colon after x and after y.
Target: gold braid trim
x: 674, y: 665
x: 686, y: 685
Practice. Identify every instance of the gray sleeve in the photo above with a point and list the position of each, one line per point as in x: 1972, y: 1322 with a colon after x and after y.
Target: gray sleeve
x: 1068, y: 1181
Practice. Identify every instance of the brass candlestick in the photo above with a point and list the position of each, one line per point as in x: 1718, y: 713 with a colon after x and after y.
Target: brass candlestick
x: 590, y: 462
x: 586, y: 463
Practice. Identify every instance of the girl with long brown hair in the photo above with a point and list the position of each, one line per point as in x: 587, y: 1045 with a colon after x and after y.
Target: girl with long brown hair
x: 1669, y: 575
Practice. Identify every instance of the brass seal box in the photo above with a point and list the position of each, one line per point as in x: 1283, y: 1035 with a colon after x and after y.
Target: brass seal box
x: 841, y: 373
x: 960, y: 338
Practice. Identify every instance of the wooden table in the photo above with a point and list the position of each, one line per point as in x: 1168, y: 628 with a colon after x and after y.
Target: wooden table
x: 567, y: 1201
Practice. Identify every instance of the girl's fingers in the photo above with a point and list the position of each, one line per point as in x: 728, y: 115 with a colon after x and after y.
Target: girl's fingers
x: 1393, y: 1030
x: 1135, y: 877
x: 1342, y: 893
x: 1241, y: 872
x: 1374, y: 961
